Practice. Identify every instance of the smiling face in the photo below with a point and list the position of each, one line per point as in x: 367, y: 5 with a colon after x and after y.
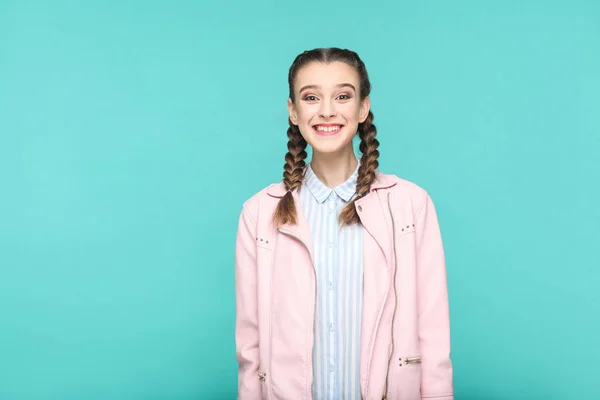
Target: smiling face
x: 327, y: 106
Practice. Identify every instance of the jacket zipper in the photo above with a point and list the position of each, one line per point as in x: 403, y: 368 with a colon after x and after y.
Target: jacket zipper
x: 262, y: 377
x: 290, y: 233
x: 395, y: 297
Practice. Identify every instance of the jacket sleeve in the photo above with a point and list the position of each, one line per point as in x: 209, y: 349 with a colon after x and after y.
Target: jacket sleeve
x: 246, y: 309
x: 433, y: 308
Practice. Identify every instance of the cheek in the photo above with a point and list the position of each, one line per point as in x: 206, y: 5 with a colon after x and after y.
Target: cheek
x: 354, y: 112
x: 306, y: 114
x: 349, y: 111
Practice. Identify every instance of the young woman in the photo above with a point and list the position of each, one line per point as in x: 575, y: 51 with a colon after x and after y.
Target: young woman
x: 341, y: 288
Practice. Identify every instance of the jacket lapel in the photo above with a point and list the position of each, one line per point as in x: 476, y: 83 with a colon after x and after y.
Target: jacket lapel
x: 372, y: 212
x: 300, y: 230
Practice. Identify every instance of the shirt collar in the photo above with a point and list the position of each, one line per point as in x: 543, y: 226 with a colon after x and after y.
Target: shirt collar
x: 321, y: 192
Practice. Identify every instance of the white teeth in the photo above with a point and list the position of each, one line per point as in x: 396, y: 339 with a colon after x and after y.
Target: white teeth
x: 328, y: 129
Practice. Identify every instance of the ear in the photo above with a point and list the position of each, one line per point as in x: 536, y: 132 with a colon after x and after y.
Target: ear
x: 365, y: 107
x: 292, y: 112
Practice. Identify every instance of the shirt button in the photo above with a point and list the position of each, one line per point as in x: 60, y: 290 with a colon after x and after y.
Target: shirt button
x: 330, y: 327
x: 330, y: 245
x: 331, y: 210
x: 331, y: 368
x: 330, y: 285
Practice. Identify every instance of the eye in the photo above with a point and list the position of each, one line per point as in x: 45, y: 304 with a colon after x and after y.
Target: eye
x: 310, y: 98
x: 344, y: 97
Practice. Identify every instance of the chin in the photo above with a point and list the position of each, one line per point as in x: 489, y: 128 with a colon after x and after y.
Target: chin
x: 328, y: 149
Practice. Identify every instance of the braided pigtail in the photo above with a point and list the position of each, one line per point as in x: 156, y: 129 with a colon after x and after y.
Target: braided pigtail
x: 366, y: 172
x: 292, y: 176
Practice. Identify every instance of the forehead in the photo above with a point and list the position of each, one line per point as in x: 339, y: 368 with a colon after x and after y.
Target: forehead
x: 326, y: 75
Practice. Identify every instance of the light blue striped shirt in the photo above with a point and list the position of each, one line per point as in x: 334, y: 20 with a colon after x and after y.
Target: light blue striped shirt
x: 339, y: 270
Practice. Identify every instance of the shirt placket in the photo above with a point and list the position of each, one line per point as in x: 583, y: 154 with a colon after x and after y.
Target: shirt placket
x: 333, y: 297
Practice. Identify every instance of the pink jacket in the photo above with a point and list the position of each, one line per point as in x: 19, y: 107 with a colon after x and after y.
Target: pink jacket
x: 405, y: 339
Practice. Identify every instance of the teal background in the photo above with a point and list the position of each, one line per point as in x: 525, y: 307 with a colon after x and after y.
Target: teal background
x: 132, y: 132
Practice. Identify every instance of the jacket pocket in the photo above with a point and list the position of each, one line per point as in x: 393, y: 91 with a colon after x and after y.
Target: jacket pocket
x: 406, y: 380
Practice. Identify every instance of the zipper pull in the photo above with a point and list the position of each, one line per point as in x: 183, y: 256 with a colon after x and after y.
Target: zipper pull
x: 410, y: 360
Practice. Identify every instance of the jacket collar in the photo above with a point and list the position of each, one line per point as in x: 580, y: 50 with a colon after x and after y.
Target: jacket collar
x: 373, y: 214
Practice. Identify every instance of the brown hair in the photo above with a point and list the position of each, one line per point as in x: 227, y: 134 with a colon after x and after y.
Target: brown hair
x: 294, y: 165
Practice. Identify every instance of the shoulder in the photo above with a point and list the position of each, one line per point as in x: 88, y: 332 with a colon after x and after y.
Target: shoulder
x: 399, y: 184
x: 405, y: 192
x: 265, y: 198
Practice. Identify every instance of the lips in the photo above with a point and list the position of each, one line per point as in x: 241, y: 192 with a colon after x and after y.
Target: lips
x: 327, y: 129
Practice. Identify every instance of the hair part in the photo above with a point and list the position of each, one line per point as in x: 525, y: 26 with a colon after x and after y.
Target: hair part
x: 294, y: 166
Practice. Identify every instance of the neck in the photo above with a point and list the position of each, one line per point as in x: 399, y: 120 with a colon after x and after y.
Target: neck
x: 335, y: 168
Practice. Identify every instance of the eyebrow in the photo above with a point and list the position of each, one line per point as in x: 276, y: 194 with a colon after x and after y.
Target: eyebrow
x: 319, y: 87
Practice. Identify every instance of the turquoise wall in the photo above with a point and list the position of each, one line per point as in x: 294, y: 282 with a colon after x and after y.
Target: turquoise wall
x: 132, y: 132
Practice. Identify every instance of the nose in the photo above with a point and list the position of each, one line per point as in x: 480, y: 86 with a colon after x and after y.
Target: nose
x: 327, y: 110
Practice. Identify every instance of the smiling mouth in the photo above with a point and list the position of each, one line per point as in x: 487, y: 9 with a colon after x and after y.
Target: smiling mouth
x: 327, y: 130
